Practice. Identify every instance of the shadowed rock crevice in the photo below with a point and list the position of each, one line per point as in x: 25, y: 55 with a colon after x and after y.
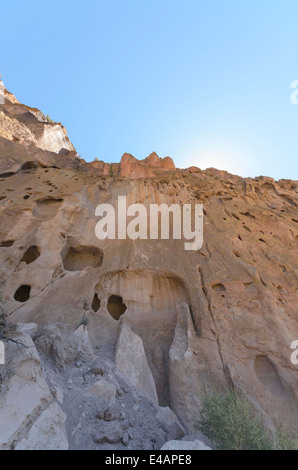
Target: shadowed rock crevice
x: 22, y: 294
x: 7, y: 175
x: 6, y: 244
x: 31, y: 255
x: 27, y: 167
x: 268, y: 375
x: 95, y: 303
x: 218, y: 287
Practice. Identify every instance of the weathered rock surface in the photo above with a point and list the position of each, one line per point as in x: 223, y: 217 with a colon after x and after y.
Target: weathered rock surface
x: 20, y: 123
x: 130, y: 167
x: 57, y: 342
x: 103, y: 389
x: 131, y: 360
x: 28, y: 418
x: 27, y: 328
x: 224, y: 315
x: 113, y: 412
x: 109, y: 432
x: 84, y: 345
x: 185, y: 445
x: 47, y: 433
x: 170, y: 423
x: 185, y: 384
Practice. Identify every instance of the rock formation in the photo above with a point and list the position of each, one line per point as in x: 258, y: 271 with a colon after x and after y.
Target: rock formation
x: 225, y: 315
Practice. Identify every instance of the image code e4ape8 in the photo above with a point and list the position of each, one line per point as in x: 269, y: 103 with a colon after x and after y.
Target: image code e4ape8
x: 170, y: 459
x: 152, y: 459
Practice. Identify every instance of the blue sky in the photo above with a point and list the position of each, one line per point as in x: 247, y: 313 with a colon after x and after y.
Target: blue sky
x: 205, y: 82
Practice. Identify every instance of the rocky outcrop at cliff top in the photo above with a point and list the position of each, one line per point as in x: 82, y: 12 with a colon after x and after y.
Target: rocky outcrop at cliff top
x: 224, y: 315
x: 42, y: 139
x: 20, y: 123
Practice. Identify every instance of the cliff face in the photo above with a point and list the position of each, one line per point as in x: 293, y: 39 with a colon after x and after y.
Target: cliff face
x: 224, y: 315
x: 19, y: 123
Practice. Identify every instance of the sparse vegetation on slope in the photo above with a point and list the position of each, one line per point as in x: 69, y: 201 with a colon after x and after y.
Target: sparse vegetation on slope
x: 228, y: 420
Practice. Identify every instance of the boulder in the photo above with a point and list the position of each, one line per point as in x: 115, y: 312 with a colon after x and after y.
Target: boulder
x: 131, y: 360
x: 28, y: 328
x: 28, y: 417
x: 58, y: 342
x: 184, y: 445
x: 98, y: 367
x: 170, y: 423
x: 110, y: 433
x: 48, y: 431
x: 103, y: 389
x: 183, y: 380
x: 113, y: 412
x: 84, y: 345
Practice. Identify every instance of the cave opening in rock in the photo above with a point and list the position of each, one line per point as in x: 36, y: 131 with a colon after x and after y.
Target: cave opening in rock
x: 7, y: 175
x: 6, y: 244
x: 27, y: 167
x: 31, y: 255
x: 95, y: 303
x: 46, y: 209
x: 80, y: 257
x: 218, y: 287
x: 22, y: 294
x: 151, y: 299
x: 116, y: 307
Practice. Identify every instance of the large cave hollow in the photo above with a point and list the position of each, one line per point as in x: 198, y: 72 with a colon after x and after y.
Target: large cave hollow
x: 47, y: 208
x: 116, y: 307
x: 148, y: 298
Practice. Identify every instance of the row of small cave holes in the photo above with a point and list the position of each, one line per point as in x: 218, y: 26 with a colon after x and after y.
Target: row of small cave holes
x: 115, y: 306
x: 27, y: 196
x: 22, y: 294
x: 248, y: 214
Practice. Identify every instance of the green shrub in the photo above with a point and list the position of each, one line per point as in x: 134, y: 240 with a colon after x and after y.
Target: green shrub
x: 49, y: 119
x: 228, y: 420
x: 284, y: 440
x: 111, y: 171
